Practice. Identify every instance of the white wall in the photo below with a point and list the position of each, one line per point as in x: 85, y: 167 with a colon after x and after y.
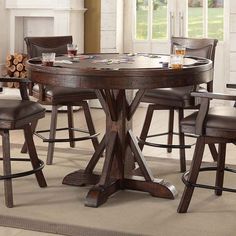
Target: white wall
x: 232, y: 42
x: 4, y: 32
x: 111, y: 26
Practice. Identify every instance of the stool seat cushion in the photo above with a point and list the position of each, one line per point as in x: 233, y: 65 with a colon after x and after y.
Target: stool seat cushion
x: 176, y: 97
x: 220, y: 122
x: 15, y: 113
x: 63, y: 95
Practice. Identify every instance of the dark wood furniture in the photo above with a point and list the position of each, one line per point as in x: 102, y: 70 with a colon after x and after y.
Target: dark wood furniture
x: 111, y: 75
x: 177, y: 98
x: 59, y: 96
x: 233, y: 86
x: 16, y: 115
x: 213, y: 125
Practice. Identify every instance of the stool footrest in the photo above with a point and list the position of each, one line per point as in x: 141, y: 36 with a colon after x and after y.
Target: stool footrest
x: 37, y: 133
x: 164, y: 145
x: 174, y: 133
x: 24, y: 173
x: 211, y: 168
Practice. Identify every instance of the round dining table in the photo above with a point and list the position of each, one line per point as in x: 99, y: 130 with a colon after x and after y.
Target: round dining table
x: 112, y: 76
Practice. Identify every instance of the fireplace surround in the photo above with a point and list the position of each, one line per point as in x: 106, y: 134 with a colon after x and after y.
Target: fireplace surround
x: 44, y: 18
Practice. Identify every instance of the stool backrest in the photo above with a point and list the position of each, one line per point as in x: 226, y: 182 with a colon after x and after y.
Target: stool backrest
x: 38, y: 45
x: 199, y: 47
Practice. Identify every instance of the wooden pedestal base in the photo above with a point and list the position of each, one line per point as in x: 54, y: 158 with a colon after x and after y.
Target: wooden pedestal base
x: 121, y: 150
x: 98, y: 195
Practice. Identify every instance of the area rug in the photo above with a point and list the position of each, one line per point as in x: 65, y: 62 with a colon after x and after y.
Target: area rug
x: 60, y: 209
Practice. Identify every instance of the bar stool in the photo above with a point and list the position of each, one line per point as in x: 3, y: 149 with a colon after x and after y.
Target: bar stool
x: 178, y: 98
x: 16, y: 115
x: 60, y: 96
x: 215, y: 125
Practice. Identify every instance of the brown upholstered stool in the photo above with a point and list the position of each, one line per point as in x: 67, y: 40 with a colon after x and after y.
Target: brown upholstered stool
x: 59, y: 96
x: 177, y: 98
x: 216, y: 125
x: 15, y: 115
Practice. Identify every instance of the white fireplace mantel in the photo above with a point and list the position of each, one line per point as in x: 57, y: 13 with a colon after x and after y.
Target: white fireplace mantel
x: 45, y: 4
x: 64, y: 17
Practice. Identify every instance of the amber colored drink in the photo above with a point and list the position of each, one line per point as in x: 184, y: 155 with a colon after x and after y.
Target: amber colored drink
x: 180, y: 52
x: 48, y: 58
x: 176, y: 66
x: 176, y: 61
x: 72, y: 52
x: 48, y: 63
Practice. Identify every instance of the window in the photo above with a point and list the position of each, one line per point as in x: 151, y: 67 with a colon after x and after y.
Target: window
x: 206, y: 18
x: 151, y: 19
x: 216, y: 19
x: 200, y: 18
x: 142, y: 13
x: 159, y: 19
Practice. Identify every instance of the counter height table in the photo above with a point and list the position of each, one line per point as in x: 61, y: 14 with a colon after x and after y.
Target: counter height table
x: 111, y: 75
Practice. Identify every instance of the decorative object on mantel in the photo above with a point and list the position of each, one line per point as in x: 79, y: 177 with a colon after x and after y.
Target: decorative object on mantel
x: 15, y: 65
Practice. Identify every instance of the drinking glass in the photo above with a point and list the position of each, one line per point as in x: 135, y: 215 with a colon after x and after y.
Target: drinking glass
x: 179, y: 50
x: 48, y: 58
x: 176, y: 61
x: 72, y: 50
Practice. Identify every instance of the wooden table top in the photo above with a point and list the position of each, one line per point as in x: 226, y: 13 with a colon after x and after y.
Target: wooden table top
x: 120, y: 71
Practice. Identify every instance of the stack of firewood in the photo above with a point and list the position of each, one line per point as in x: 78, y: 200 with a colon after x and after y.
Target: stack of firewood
x: 15, y: 65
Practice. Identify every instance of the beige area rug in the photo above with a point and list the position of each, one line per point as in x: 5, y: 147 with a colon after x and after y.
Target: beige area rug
x: 60, y: 209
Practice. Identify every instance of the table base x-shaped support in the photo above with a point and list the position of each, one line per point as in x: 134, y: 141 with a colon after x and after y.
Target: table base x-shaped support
x: 121, y: 150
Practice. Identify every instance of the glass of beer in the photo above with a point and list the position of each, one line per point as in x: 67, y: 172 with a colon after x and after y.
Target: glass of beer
x: 48, y: 59
x: 176, y: 61
x: 72, y: 50
x: 179, y: 50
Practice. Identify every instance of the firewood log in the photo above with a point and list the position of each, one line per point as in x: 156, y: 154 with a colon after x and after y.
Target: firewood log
x: 9, y: 57
x: 8, y: 63
x: 12, y: 68
x: 23, y: 74
x: 10, y: 84
x: 24, y: 61
x: 16, y: 74
x: 20, y: 57
x: 15, y: 61
x: 20, y: 67
x: 16, y: 85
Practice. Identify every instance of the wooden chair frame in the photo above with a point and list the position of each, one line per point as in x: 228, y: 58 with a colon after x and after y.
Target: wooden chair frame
x: 37, y: 164
x: 58, y: 44
x: 191, y: 45
x: 218, y: 137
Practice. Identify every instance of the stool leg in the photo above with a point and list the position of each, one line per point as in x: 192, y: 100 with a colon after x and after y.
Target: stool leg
x: 71, y: 125
x: 170, y: 129
x: 33, y: 128
x: 213, y: 150
x: 52, y: 134
x: 146, y: 125
x: 220, y: 168
x: 182, y: 143
x: 90, y: 123
x: 193, y: 174
x: 33, y: 156
x: 7, y: 168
